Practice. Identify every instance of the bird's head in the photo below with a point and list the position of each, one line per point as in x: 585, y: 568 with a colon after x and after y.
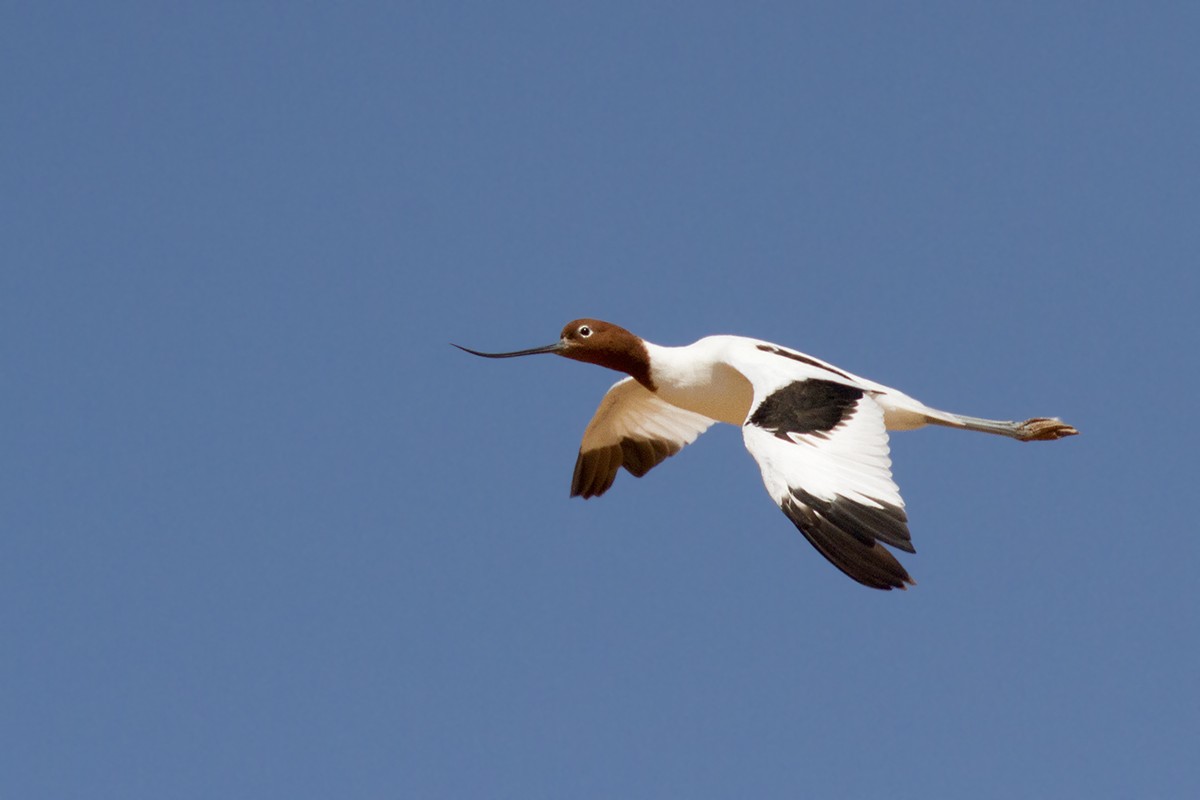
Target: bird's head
x: 595, y: 342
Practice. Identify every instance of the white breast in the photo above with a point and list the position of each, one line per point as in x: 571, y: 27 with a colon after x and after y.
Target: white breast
x: 698, y: 377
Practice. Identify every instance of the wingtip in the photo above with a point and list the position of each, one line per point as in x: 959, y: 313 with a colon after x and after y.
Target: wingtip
x: 902, y: 583
x: 858, y: 555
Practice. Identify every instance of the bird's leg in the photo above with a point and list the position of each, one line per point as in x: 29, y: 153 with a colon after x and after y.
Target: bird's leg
x: 1036, y: 429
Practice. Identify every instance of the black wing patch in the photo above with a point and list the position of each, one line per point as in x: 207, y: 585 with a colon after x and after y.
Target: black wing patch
x: 595, y: 470
x: 851, y: 534
x: 809, y: 406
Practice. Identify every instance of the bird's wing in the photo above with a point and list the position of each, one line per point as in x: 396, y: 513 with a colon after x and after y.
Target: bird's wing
x: 634, y: 429
x: 823, y: 451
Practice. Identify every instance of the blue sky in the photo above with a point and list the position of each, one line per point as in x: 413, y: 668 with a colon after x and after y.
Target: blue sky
x: 265, y: 534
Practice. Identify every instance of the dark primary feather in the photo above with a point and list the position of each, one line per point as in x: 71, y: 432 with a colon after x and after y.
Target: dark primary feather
x: 851, y: 534
x: 595, y: 470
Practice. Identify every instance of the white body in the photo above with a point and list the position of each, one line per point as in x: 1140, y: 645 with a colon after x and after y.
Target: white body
x: 718, y: 376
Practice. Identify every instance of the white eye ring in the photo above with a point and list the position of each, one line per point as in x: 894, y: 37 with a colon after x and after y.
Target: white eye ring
x: 585, y: 331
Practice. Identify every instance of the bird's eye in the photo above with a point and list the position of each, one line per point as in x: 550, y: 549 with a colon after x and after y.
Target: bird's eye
x: 585, y: 331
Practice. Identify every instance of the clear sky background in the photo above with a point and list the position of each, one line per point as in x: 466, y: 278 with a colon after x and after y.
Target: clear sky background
x: 266, y: 534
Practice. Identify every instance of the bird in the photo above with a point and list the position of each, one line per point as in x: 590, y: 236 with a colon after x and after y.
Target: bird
x: 818, y: 433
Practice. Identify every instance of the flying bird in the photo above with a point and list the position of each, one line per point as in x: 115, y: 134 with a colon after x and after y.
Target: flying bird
x: 818, y: 433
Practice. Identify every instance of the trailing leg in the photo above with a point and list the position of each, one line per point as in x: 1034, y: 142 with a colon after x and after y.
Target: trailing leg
x: 1036, y: 429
